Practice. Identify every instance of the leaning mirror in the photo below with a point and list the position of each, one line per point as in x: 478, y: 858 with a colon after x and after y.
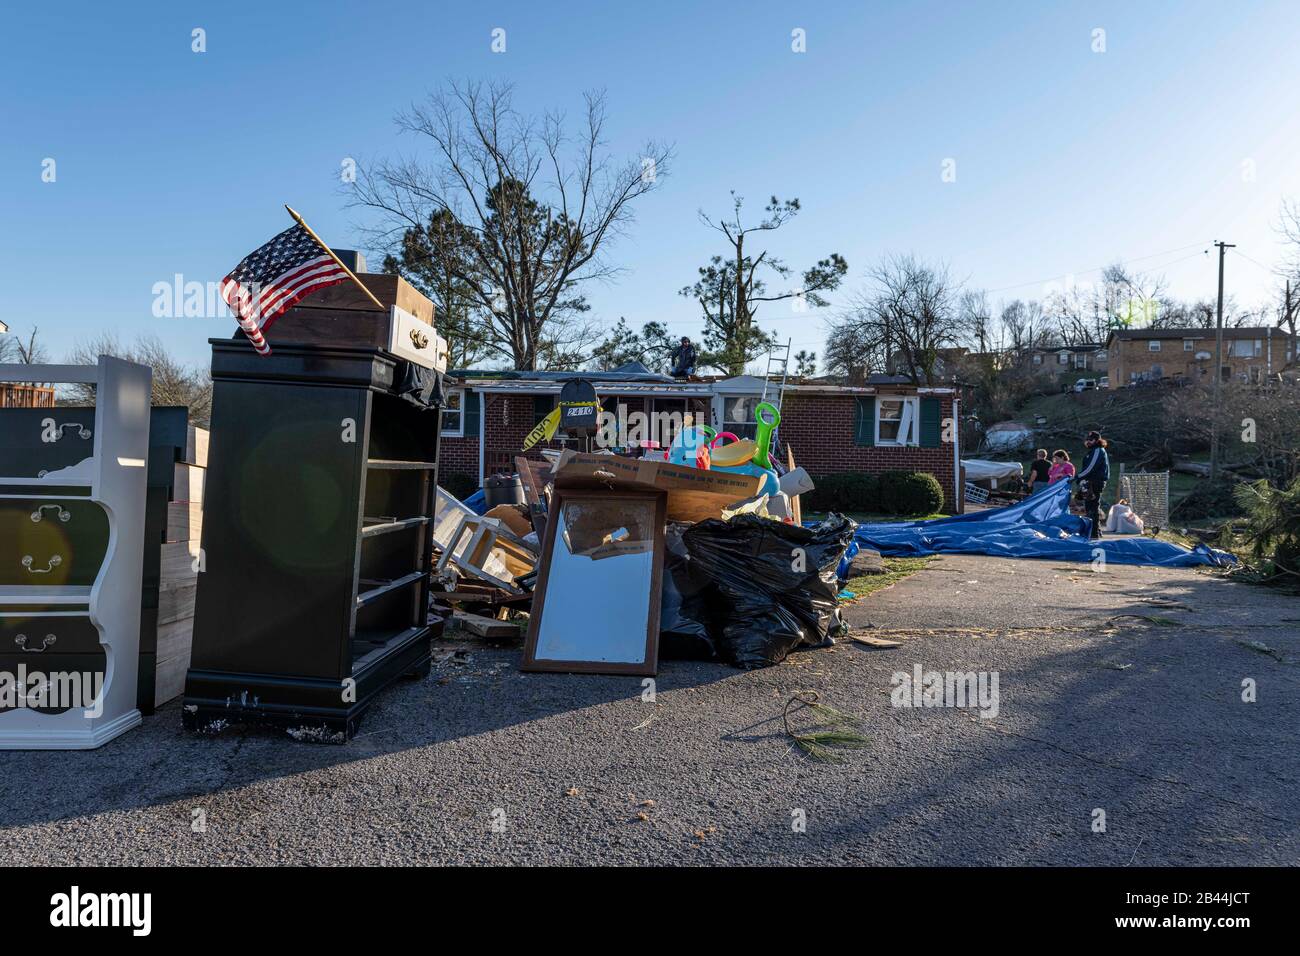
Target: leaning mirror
x: 596, y: 605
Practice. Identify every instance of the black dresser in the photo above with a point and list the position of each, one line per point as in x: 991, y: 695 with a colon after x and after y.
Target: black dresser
x: 316, y: 546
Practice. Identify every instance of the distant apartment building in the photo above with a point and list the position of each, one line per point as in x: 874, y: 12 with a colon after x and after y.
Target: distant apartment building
x: 1065, y: 364
x: 1152, y: 355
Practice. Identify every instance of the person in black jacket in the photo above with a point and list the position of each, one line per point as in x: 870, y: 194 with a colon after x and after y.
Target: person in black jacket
x: 683, y: 359
x: 1092, y: 478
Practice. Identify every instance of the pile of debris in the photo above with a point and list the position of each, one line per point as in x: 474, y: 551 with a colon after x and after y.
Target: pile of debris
x: 616, y: 558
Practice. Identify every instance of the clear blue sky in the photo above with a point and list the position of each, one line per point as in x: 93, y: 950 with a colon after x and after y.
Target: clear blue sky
x: 172, y: 162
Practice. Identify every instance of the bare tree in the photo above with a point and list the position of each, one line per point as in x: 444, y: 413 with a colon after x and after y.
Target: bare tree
x: 977, y: 319
x: 174, y: 383
x: 29, y: 351
x: 910, y: 313
x: 535, y: 211
x: 1023, y: 327
x: 730, y: 289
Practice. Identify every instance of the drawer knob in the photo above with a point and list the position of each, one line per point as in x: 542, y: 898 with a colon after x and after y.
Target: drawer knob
x: 46, y: 641
x: 55, y: 561
x: 63, y: 513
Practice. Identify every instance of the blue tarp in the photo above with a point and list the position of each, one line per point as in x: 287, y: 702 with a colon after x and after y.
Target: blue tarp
x: 1041, y: 526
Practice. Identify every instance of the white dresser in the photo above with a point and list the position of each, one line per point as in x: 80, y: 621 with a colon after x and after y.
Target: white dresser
x: 72, y: 515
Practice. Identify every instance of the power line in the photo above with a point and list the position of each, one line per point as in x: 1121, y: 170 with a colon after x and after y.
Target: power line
x: 1084, y: 272
x: 1238, y: 252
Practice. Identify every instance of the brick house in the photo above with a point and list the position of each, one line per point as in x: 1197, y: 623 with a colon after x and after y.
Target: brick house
x: 1068, y: 363
x: 883, y: 425
x: 1147, y: 355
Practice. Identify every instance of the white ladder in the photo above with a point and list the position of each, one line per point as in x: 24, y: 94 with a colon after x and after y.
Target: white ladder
x: 776, y: 360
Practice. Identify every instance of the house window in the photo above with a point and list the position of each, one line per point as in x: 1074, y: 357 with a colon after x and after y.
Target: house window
x: 453, y: 414
x: 1246, y: 348
x: 670, y: 417
x: 738, y: 415
x: 1063, y: 358
x: 1038, y: 359
x: 1153, y: 345
x: 1101, y: 355
x: 1188, y: 345
x: 896, y: 421
x: 1081, y: 360
x: 1157, y: 371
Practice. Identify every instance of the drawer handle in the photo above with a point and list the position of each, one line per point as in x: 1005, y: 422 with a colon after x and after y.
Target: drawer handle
x: 46, y: 641
x: 54, y: 563
x: 63, y: 513
x: 53, y: 428
x: 419, y: 339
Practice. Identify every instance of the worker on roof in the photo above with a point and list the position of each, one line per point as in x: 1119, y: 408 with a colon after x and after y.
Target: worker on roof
x: 683, y: 358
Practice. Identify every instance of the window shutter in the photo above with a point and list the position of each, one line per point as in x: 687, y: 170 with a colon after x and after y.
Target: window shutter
x: 931, y: 423
x: 469, y: 412
x: 864, y: 422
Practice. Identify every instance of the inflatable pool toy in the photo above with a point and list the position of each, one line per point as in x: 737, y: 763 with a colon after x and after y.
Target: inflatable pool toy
x: 737, y: 453
x: 691, y: 446
x: 768, y: 417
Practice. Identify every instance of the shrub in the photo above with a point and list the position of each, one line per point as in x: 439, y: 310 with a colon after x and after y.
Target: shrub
x: 460, y: 485
x: 1273, y: 526
x: 910, y: 493
x: 850, y: 491
x: 895, y: 492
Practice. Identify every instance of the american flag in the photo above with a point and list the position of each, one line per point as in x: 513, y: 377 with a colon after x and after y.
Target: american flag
x: 271, y: 279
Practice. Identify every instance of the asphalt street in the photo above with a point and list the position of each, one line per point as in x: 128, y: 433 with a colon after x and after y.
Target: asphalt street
x: 1120, y: 692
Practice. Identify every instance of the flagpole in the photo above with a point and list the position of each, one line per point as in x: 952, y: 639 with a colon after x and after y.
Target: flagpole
x: 330, y: 252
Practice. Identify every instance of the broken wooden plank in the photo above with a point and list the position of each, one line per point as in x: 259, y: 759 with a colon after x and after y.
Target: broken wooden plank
x: 196, y: 446
x: 184, y: 520
x: 877, y: 642
x: 176, y: 602
x: 177, y: 561
x: 486, y: 626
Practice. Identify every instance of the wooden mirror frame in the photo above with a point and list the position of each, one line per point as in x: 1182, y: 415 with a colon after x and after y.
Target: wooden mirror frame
x: 650, y: 665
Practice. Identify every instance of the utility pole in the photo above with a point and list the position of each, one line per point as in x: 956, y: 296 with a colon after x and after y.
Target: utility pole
x: 1218, y: 366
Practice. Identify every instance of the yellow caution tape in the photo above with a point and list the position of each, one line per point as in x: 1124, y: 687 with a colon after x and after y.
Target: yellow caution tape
x: 544, y: 430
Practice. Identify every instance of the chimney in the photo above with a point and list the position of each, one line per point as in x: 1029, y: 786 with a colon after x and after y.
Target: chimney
x: 354, y: 260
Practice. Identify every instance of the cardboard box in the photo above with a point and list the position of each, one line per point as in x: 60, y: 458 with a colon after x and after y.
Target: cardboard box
x: 694, y: 494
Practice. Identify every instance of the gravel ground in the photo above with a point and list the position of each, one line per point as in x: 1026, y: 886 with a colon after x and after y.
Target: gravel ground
x: 482, y: 764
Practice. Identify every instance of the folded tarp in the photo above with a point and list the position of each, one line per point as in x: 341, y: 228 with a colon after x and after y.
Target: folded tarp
x: 1041, y: 526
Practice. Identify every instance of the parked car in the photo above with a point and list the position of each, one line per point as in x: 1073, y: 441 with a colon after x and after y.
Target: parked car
x: 1084, y: 384
x: 1103, y: 382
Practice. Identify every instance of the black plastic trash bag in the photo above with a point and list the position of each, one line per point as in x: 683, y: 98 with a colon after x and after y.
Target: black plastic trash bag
x: 683, y: 615
x: 768, y: 587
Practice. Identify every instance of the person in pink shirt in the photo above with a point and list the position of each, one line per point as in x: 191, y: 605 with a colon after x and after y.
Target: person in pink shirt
x: 1061, y: 468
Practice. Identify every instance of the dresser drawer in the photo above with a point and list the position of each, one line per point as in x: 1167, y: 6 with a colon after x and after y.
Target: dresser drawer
x: 53, y: 683
x: 36, y: 635
x: 416, y: 341
x: 51, y: 542
x: 38, y: 440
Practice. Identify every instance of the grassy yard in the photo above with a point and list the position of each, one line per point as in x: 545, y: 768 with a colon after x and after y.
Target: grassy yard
x: 895, y: 570
x: 868, y: 517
